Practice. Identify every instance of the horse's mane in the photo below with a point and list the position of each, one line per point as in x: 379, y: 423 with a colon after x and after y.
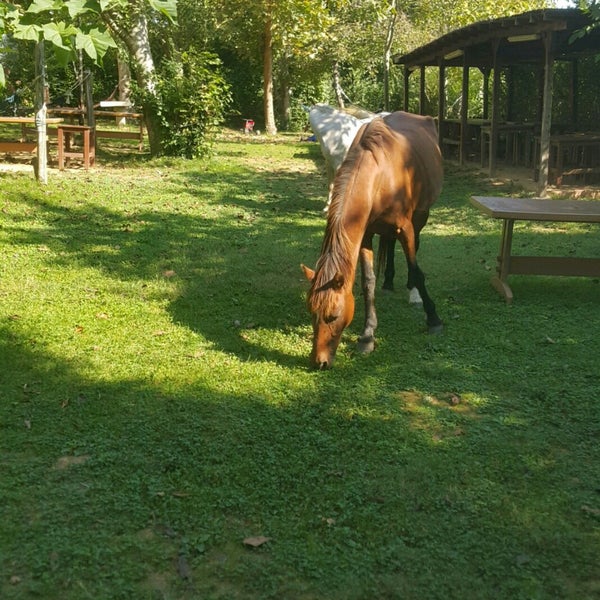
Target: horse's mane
x: 336, y: 250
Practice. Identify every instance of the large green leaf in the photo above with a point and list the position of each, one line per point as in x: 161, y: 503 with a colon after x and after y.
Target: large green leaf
x: 29, y: 32
x: 54, y: 33
x: 102, y: 41
x: 38, y: 6
x: 84, y: 42
x: 166, y: 7
x: 79, y: 7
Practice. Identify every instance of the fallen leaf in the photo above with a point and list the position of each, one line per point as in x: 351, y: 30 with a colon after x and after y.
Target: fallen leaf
x: 27, y: 424
x: 169, y: 273
x: 78, y: 329
x: 15, y: 580
x: 257, y: 541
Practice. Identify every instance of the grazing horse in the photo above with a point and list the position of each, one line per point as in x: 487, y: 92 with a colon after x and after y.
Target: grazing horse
x: 391, y: 177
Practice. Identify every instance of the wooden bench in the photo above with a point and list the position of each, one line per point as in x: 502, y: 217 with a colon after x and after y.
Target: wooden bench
x: 535, y: 209
x: 77, y: 113
x: 23, y: 144
x: 120, y: 134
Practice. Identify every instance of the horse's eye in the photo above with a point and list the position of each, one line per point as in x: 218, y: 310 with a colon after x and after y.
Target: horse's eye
x: 330, y: 318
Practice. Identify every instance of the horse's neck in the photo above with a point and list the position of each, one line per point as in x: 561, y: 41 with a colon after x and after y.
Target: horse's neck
x: 348, y: 227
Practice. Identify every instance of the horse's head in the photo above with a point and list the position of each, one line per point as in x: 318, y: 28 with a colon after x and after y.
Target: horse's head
x: 332, y: 307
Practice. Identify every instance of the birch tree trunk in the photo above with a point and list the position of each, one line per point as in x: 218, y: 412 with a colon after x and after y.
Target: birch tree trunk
x: 132, y: 30
x: 337, y: 86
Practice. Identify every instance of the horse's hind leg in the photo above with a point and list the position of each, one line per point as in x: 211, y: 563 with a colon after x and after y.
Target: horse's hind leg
x: 366, y: 342
x: 388, y: 275
x: 416, y: 278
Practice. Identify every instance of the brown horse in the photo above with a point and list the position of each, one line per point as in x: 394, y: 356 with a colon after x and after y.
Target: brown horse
x: 387, y: 184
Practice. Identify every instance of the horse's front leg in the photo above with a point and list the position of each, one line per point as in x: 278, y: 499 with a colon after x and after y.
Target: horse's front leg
x: 366, y: 342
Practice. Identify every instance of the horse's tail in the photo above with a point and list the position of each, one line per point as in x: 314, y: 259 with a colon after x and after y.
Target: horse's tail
x: 382, y: 253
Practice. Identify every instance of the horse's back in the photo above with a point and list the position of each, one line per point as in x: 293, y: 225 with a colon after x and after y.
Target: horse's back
x: 406, y: 150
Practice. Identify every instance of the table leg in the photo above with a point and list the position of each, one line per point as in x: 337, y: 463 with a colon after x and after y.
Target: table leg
x: 60, y: 142
x: 503, y: 268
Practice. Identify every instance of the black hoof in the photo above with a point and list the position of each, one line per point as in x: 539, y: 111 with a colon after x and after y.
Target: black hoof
x: 435, y: 329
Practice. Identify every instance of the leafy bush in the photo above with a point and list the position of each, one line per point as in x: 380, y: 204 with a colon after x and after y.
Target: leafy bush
x: 190, y: 101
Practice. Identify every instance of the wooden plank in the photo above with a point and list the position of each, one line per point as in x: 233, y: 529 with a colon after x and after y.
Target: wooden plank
x: 18, y: 147
x: 30, y: 120
x: 538, y: 209
x: 567, y: 266
x: 122, y: 135
x: 117, y: 113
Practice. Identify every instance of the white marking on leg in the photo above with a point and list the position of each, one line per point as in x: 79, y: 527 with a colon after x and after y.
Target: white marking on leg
x: 414, y: 297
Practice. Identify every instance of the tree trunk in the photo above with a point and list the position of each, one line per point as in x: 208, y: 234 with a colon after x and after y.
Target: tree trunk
x: 123, y: 86
x: 270, y: 126
x: 337, y: 86
x: 133, y: 32
x: 387, y: 57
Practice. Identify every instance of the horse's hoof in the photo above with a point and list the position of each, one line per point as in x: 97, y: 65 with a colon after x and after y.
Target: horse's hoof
x: 414, y: 297
x: 436, y: 329
x: 366, y: 346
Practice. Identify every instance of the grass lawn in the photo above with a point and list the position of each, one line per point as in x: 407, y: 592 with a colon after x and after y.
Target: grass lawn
x: 161, y: 436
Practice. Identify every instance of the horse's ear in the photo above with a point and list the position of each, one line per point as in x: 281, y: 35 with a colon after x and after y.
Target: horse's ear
x: 337, y: 283
x: 310, y: 274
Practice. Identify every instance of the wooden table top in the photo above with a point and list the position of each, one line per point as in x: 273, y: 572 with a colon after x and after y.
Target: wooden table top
x: 539, y: 209
x: 26, y: 120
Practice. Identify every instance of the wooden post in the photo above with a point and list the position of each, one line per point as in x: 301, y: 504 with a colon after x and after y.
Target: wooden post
x: 495, y: 108
x: 406, y: 87
x: 486, y: 92
x: 441, y: 102
x: 546, y: 115
x: 464, y: 112
x: 422, y: 90
x: 40, y: 164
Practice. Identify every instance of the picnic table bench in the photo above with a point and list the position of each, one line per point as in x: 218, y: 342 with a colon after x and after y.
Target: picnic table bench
x: 22, y: 144
x: 117, y: 115
x: 536, y: 209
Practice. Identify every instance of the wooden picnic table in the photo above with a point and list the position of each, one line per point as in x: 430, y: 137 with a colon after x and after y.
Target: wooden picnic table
x: 119, y: 115
x: 536, y: 209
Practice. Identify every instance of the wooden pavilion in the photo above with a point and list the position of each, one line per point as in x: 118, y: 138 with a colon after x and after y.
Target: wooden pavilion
x: 539, y: 38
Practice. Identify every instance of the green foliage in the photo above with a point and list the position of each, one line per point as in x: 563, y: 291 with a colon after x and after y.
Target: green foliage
x: 53, y: 22
x: 190, y: 100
